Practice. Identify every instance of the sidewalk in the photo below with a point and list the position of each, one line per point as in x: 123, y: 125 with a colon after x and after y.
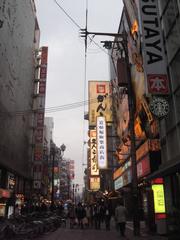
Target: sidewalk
x: 143, y: 233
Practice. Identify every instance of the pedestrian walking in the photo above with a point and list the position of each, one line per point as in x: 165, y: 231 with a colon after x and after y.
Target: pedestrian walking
x: 108, y: 214
x: 80, y: 213
x: 72, y: 215
x: 120, y: 217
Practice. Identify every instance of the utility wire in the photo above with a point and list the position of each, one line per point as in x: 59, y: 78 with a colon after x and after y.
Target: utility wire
x: 52, y: 109
x: 65, y: 12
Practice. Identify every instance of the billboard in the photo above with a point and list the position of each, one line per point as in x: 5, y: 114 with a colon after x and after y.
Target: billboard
x: 100, y: 102
x: 101, y: 142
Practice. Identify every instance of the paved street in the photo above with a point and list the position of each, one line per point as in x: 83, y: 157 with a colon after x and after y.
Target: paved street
x: 92, y: 234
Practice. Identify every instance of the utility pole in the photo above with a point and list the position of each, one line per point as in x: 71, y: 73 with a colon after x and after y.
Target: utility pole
x: 131, y: 104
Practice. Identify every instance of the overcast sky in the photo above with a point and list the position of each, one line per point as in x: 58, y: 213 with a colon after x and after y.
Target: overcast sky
x: 66, y: 61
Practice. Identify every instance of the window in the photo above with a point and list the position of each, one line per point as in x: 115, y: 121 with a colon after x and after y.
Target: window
x: 173, y: 41
x: 177, y: 104
x: 170, y: 119
x: 163, y: 4
x: 170, y: 15
x: 173, y: 144
x: 175, y: 72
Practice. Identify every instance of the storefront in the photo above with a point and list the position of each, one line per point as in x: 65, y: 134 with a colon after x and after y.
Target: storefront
x: 4, y: 197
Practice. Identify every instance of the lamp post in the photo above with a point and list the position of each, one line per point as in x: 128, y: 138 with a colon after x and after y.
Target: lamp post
x: 131, y: 105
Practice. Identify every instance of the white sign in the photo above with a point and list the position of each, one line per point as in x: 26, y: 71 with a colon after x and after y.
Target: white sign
x: 153, y: 48
x: 101, y: 142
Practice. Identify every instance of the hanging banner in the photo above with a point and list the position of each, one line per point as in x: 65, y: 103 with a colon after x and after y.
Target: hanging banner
x: 93, y: 154
x: 153, y: 49
x: 101, y: 142
x: 100, y: 102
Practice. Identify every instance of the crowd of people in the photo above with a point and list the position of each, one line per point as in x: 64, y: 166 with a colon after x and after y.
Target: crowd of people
x: 90, y: 215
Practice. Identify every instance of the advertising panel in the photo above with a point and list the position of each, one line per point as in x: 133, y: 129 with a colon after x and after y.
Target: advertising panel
x: 100, y: 102
x: 93, y: 154
x: 153, y: 49
x: 101, y: 143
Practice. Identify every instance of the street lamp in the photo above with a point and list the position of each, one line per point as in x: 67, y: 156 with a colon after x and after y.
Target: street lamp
x: 131, y: 105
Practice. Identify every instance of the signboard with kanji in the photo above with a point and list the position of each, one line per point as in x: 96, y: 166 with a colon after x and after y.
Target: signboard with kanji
x: 101, y: 142
x: 93, y: 154
x: 100, y: 102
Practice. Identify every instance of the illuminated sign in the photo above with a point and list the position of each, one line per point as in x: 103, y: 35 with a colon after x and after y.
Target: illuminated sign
x: 101, y: 142
x: 93, y: 154
x: 94, y: 183
x: 159, y: 203
x: 153, y: 48
x: 100, y: 102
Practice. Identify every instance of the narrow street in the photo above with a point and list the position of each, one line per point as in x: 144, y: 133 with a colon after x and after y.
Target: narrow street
x: 65, y: 233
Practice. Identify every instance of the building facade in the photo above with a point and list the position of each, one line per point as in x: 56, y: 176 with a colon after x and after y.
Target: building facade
x: 19, y: 38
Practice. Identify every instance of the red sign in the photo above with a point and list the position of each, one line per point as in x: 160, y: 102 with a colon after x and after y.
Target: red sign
x: 42, y: 87
x: 39, y: 135
x: 40, y: 119
x: 158, y: 84
x: 43, y: 72
x: 44, y: 55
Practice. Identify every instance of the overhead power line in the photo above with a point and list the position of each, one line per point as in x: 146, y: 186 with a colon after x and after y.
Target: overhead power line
x: 51, y: 109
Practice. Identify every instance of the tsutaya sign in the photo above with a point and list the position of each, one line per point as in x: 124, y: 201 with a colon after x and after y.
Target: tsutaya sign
x: 154, y: 56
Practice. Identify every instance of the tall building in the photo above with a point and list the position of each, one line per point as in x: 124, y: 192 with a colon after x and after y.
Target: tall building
x: 19, y: 39
x: 169, y: 126
x: 23, y: 81
x: 153, y: 49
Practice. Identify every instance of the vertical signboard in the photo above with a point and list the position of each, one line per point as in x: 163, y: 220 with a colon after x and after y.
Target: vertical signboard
x: 100, y: 102
x: 101, y: 142
x: 159, y: 202
x: 38, y: 150
x: 153, y: 49
x: 93, y: 154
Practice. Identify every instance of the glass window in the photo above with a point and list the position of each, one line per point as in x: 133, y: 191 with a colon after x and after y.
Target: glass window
x: 170, y: 15
x: 175, y: 72
x: 173, y: 41
x: 177, y: 104
x: 170, y: 119
x: 162, y: 5
x: 173, y: 144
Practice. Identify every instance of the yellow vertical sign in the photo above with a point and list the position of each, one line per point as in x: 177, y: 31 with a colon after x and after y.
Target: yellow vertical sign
x: 159, y: 202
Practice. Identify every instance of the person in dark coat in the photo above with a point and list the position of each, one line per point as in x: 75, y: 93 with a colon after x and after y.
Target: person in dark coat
x: 80, y: 213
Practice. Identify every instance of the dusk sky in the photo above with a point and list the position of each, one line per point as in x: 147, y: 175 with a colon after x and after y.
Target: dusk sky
x: 66, y: 83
